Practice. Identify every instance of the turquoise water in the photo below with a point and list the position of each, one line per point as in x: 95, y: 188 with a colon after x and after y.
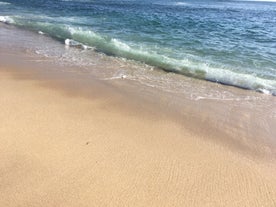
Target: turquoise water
x: 230, y: 42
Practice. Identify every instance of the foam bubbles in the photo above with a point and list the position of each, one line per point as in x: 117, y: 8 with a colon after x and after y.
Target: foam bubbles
x: 6, y: 19
x: 73, y: 43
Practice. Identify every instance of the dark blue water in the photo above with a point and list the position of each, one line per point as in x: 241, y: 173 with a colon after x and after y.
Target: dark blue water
x: 231, y: 42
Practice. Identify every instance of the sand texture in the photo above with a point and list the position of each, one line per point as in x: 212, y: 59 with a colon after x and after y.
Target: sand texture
x: 59, y: 149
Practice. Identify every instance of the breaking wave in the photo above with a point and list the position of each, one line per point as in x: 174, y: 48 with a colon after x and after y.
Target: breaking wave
x: 87, y: 39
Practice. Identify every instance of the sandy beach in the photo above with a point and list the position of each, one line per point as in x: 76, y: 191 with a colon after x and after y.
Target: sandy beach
x: 60, y: 148
x: 71, y: 138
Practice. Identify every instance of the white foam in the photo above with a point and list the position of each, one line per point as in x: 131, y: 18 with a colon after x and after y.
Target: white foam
x: 73, y: 43
x: 120, y: 45
x: 116, y: 77
x: 264, y: 91
x: 4, y: 3
x: 6, y: 19
x: 180, y: 3
x: 67, y: 42
x: 248, y: 81
x: 85, y: 47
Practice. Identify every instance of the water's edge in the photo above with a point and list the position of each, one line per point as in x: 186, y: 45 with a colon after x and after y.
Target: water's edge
x: 246, y: 116
x: 89, y: 40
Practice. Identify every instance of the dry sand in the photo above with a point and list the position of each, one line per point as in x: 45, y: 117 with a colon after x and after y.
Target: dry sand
x: 59, y: 149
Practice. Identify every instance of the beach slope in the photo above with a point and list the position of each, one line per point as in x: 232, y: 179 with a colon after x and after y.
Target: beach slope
x: 58, y: 148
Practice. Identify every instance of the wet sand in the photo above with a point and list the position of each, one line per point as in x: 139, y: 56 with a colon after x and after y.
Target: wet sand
x: 63, y: 146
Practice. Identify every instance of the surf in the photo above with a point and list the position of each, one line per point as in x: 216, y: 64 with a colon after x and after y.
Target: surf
x: 190, y: 46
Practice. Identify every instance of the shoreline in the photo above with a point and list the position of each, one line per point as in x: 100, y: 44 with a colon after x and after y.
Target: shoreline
x: 244, y: 117
x: 72, y: 139
x: 78, y: 46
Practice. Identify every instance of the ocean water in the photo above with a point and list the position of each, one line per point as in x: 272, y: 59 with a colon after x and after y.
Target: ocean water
x: 229, y: 42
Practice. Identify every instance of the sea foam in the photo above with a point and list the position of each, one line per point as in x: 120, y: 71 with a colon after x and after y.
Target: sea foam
x: 4, y: 3
x: 6, y: 19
